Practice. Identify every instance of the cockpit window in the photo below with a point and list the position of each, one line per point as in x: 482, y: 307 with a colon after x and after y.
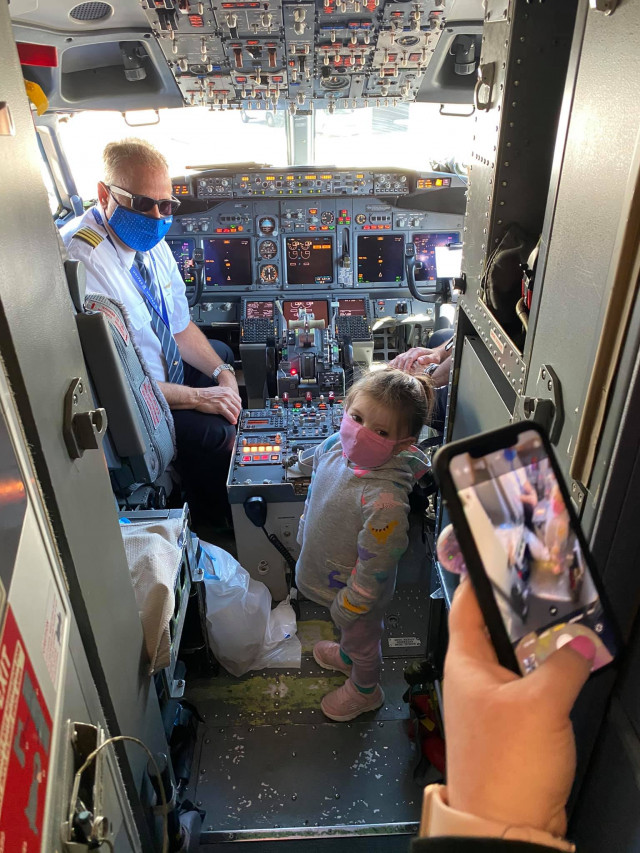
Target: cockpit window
x: 194, y: 136
x: 410, y: 135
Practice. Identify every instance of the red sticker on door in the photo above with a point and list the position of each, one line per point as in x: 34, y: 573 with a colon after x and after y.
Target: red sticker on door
x: 25, y: 743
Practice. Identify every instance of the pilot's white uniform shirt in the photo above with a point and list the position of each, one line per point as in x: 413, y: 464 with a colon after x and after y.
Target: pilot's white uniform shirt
x: 108, y: 271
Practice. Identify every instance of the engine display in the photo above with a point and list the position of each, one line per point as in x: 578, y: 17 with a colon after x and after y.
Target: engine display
x: 426, y: 252
x: 317, y: 307
x: 227, y: 261
x: 182, y: 251
x: 309, y: 260
x: 380, y: 258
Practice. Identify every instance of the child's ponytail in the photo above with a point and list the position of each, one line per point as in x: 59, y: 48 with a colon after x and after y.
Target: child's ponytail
x: 412, y: 397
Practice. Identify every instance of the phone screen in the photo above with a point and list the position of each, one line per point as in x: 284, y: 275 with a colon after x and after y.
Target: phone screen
x: 527, y: 542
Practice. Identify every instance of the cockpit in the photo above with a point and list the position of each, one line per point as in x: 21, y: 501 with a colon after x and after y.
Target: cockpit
x: 353, y: 185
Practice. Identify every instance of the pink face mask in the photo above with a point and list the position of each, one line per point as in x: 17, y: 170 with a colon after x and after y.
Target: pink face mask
x: 363, y: 446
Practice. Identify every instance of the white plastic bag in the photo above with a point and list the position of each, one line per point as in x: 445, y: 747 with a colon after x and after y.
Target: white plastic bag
x: 281, y: 647
x: 243, y: 630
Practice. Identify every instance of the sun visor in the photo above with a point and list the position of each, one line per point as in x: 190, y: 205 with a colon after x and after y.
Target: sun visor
x: 451, y: 75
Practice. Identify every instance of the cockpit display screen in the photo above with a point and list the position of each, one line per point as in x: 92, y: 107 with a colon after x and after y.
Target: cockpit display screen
x: 317, y: 307
x: 182, y: 251
x: 351, y: 308
x: 380, y: 258
x: 309, y: 260
x: 426, y: 252
x: 259, y: 310
x: 227, y: 261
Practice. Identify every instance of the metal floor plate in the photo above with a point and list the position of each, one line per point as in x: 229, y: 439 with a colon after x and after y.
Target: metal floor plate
x: 257, y: 780
x: 271, y: 766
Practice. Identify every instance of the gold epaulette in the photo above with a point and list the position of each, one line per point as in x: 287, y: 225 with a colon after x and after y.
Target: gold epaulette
x: 89, y: 236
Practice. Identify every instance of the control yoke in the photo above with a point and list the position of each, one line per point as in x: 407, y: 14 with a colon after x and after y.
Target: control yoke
x: 198, y: 272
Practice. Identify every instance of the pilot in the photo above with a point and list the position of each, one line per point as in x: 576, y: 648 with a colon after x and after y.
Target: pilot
x: 121, y: 243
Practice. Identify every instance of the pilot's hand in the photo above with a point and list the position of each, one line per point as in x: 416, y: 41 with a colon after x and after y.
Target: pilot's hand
x: 219, y: 401
x: 415, y: 359
x: 510, y: 747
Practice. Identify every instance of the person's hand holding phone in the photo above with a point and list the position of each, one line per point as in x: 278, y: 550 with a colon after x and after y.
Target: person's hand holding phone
x: 510, y: 744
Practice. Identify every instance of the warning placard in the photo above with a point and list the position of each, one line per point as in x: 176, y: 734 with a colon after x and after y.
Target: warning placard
x: 25, y: 743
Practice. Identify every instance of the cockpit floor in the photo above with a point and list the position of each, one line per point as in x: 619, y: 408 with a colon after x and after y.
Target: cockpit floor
x: 271, y: 766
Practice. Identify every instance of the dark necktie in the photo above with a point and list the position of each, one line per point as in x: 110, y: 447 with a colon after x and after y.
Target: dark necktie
x: 167, y: 341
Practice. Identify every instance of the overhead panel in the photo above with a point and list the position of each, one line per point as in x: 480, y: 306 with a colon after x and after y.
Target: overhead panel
x: 274, y: 55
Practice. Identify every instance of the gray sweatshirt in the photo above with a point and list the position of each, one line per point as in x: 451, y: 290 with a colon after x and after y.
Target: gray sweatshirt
x: 354, y: 529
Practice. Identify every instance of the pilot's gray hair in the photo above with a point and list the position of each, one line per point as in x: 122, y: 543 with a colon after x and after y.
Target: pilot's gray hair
x: 119, y: 157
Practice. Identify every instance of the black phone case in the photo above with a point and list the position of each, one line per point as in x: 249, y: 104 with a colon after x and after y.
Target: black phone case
x: 479, y: 445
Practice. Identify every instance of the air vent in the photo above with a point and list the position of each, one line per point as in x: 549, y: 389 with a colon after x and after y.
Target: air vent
x: 91, y: 12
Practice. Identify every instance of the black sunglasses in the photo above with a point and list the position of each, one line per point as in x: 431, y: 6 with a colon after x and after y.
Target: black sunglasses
x: 145, y: 204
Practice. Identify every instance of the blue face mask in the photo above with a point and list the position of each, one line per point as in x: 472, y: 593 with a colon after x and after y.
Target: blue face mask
x: 138, y: 231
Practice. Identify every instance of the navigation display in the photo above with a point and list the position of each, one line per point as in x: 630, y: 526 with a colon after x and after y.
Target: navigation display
x: 259, y: 311
x: 380, y: 258
x: 426, y: 252
x: 351, y: 308
x: 309, y: 260
x: 317, y: 307
x: 182, y: 251
x: 227, y: 261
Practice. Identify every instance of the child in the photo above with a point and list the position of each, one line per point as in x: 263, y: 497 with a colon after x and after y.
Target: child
x: 354, y: 527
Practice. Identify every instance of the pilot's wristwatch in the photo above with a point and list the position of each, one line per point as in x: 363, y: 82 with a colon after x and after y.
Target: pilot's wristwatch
x: 216, y: 373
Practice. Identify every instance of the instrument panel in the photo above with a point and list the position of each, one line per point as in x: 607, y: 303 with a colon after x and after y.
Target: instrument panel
x: 315, y: 242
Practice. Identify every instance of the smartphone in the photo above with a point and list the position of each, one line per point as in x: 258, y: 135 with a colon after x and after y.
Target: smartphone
x: 521, y: 540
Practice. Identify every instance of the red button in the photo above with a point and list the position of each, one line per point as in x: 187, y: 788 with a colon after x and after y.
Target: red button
x: 246, y: 459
